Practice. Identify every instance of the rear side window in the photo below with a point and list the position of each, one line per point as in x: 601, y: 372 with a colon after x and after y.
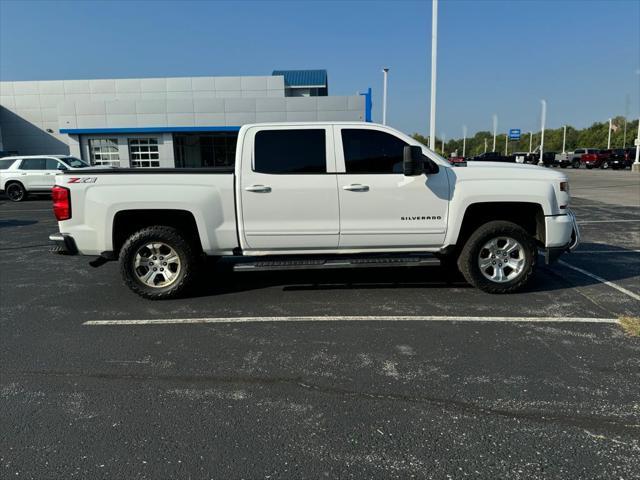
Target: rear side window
x: 290, y: 151
x: 4, y: 164
x: 580, y: 151
x: 34, y: 164
x: 371, y: 151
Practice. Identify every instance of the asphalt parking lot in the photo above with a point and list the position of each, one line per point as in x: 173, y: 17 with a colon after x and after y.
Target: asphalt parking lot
x: 375, y: 389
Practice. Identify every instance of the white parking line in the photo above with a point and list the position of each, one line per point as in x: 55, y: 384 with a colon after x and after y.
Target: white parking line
x: 348, y: 318
x: 629, y: 293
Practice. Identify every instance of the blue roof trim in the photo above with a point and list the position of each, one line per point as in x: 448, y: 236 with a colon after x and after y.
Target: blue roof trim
x: 303, y: 78
x: 85, y: 131
x: 368, y: 105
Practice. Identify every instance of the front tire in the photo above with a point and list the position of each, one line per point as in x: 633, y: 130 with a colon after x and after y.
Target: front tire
x: 16, y: 192
x: 158, y: 262
x: 499, y: 257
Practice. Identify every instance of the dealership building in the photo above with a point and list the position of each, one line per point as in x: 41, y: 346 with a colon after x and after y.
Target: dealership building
x: 162, y: 122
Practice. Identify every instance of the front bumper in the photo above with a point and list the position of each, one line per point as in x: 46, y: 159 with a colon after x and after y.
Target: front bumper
x: 551, y: 253
x: 63, y: 244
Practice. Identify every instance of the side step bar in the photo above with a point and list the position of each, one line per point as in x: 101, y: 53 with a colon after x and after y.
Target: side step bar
x: 317, y: 263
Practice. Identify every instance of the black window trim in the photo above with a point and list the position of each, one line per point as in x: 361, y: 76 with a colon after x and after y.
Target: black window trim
x: 326, y: 151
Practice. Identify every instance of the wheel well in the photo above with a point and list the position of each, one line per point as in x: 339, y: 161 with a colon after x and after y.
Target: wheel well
x: 529, y: 216
x: 10, y: 182
x: 128, y: 222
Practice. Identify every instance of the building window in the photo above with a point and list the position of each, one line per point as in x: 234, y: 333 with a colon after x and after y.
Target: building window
x: 104, y: 151
x: 205, y: 150
x: 143, y: 152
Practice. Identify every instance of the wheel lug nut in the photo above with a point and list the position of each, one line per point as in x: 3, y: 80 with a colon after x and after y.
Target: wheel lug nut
x: 161, y: 269
x: 161, y: 258
x: 155, y: 269
x: 164, y: 263
x: 154, y: 258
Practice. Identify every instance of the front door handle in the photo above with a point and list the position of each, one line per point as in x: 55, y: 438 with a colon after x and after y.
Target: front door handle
x: 356, y: 187
x: 258, y: 188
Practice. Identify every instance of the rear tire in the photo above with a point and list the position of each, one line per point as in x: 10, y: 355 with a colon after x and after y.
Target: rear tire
x: 512, y: 243
x: 16, y: 192
x: 147, y: 272
x: 575, y: 164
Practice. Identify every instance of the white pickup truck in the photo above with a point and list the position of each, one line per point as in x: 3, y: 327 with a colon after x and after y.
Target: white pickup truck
x: 318, y: 195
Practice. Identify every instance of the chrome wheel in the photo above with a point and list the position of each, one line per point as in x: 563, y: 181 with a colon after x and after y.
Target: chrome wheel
x: 156, y: 265
x: 502, y: 259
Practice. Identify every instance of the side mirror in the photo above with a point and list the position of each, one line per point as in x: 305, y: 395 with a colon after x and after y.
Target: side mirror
x: 413, y: 161
x: 62, y: 167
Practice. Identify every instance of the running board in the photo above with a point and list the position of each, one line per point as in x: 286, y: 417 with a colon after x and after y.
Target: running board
x: 312, y: 263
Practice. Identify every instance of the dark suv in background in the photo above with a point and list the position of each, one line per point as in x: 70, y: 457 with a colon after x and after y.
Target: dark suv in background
x: 621, y: 158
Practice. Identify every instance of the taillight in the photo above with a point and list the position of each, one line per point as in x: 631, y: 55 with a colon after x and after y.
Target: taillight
x: 61, y: 203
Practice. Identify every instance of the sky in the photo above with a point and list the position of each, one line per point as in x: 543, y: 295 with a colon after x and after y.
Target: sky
x: 494, y: 57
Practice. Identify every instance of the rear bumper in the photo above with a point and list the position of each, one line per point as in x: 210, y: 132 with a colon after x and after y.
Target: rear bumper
x: 563, y: 226
x: 63, y: 244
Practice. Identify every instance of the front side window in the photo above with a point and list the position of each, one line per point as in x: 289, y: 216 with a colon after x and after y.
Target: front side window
x: 290, y: 151
x: 74, y: 162
x: 34, y: 164
x: 53, y: 164
x: 371, y: 151
x: 143, y: 152
x: 104, y: 151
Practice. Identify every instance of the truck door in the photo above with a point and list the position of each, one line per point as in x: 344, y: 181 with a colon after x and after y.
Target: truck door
x: 379, y: 206
x: 287, y: 189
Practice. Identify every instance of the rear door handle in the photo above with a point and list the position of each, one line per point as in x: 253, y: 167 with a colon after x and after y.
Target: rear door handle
x: 258, y: 188
x: 356, y: 187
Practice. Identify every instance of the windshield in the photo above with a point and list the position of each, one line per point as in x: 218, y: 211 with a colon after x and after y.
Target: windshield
x: 74, y: 162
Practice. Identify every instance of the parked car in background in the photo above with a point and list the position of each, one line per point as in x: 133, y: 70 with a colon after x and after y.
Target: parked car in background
x: 596, y: 159
x: 20, y: 176
x: 563, y: 160
x: 621, y: 158
x: 492, y: 157
x: 576, y: 155
x: 457, y: 160
x: 522, y: 157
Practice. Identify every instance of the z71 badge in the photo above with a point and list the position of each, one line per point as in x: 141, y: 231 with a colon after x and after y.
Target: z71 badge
x: 82, y: 180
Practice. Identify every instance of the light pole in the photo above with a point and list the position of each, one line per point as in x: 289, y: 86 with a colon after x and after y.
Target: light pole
x: 564, y: 138
x: 530, y: 141
x: 609, y: 139
x: 385, y: 73
x: 443, y: 146
x: 434, y: 57
x: 636, y: 165
x: 544, y: 118
x: 464, y: 140
x: 495, y: 128
x: 506, y: 144
x: 485, y: 145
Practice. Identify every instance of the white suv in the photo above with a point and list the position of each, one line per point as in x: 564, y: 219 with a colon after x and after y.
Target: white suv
x: 33, y: 174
